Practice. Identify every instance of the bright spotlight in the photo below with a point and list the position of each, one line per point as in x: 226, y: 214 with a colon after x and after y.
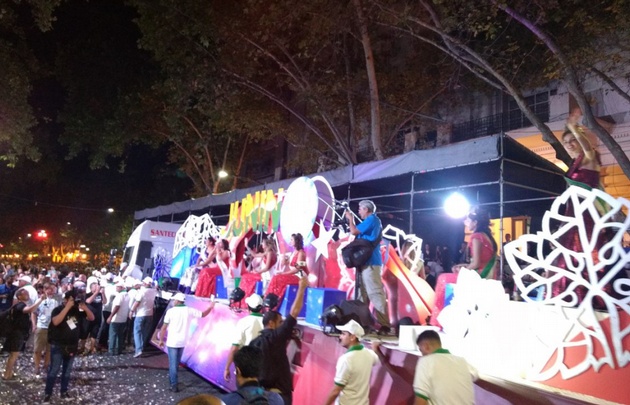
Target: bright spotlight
x: 223, y: 174
x: 110, y: 210
x: 456, y: 206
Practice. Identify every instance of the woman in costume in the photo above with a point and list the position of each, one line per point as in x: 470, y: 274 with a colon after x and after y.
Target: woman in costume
x: 483, y: 257
x: 264, y: 271
x: 207, y: 284
x: 189, y: 280
x: 483, y: 247
x: 287, y: 272
x: 584, y: 172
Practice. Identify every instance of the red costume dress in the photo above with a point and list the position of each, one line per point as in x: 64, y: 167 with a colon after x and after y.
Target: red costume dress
x: 207, y: 284
x: 249, y: 279
x: 279, y: 282
x: 487, y: 254
x: 588, y: 179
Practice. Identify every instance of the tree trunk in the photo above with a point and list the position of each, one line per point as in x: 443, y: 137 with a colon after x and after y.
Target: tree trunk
x: 375, y: 109
x: 573, y: 85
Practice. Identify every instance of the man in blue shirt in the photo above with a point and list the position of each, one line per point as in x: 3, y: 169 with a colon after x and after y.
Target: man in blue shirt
x: 371, y: 283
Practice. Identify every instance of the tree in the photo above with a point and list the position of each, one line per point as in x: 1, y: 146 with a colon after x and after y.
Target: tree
x: 18, y: 69
x: 517, y: 47
x: 307, y: 79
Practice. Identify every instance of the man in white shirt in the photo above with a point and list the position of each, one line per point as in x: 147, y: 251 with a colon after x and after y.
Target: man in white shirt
x: 247, y: 329
x: 25, y: 283
x: 118, y: 319
x: 442, y: 378
x: 354, y: 368
x: 177, y: 324
x: 142, y: 306
x: 43, y: 316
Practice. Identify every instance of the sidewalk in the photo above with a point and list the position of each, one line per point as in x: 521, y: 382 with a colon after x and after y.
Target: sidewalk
x: 100, y: 379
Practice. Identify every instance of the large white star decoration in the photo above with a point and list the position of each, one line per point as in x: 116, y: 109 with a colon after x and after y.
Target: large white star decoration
x: 321, y: 243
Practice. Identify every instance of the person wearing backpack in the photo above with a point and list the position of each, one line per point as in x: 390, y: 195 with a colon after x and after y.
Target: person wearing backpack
x: 371, y: 283
x: 20, y: 325
x: 248, y: 364
x: 275, y: 373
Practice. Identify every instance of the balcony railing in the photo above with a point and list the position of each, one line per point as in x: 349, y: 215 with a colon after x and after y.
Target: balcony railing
x: 497, y: 123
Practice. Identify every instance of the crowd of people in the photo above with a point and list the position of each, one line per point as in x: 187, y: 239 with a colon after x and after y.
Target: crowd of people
x: 59, y: 314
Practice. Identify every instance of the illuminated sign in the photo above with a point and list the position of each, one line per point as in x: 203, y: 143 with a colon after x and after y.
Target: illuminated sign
x: 260, y: 212
x: 161, y: 232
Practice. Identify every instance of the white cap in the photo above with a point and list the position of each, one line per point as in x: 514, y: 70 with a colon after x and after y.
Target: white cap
x: 25, y: 278
x: 179, y: 297
x: 120, y: 283
x: 79, y: 284
x: 254, y: 301
x: 148, y: 280
x: 352, y: 327
x: 130, y: 282
x: 92, y: 280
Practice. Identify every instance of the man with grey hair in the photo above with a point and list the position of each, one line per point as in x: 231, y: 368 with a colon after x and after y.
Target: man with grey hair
x: 371, y: 285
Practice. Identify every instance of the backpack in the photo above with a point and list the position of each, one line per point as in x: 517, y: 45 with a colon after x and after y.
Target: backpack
x: 356, y: 253
x: 256, y: 396
x: 6, y: 321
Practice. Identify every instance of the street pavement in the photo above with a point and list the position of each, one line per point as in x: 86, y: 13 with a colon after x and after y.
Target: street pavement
x: 101, y: 379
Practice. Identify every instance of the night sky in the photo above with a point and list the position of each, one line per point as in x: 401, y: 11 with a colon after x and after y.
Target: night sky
x: 49, y: 193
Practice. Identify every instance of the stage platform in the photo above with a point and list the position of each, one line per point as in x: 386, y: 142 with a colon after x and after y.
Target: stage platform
x: 314, y: 356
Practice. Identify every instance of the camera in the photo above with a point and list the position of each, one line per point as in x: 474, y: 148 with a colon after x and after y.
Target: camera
x: 340, y: 210
x: 342, y: 205
x: 79, y: 297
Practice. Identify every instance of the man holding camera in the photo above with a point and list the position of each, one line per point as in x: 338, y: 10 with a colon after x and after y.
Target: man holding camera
x: 63, y: 336
x: 371, y: 284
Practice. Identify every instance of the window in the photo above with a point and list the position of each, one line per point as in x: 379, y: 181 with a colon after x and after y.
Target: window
x: 539, y: 103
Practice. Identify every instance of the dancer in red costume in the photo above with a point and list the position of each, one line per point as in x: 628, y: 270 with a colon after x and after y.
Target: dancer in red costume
x: 207, y: 284
x: 190, y: 278
x: 262, y: 272
x: 483, y: 257
x: 288, y: 268
x: 584, y: 172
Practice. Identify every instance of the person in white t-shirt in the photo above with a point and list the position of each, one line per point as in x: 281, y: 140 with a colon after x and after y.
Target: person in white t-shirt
x: 247, y: 329
x: 354, y: 368
x: 25, y: 283
x: 177, y: 324
x: 118, y: 319
x: 442, y: 378
x: 142, y: 306
x: 44, y: 315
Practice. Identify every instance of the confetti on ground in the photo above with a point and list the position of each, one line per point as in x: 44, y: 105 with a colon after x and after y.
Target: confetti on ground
x: 103, y: 380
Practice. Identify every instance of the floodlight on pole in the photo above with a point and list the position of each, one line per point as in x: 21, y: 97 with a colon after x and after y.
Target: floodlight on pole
x: 456, y: 205
x: 110, y: 210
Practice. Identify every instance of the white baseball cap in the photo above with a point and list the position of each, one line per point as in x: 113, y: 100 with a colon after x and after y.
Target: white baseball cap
x: 179, y: 297
x: 148, y: 280
x: 352, y: 327
x: 254, y: 301
x: 25, y: 278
